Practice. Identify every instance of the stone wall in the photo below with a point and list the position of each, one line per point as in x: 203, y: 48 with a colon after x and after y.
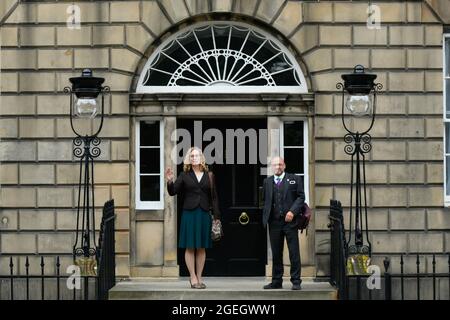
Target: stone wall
x: 405, y: 167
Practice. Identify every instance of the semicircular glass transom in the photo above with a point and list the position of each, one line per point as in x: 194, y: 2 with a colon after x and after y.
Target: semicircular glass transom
x: 222, y: 57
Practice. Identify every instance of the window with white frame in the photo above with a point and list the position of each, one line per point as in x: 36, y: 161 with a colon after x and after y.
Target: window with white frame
x: 294, y: 150
x: 222, y: 57
x: 446, y: 100
x: 149, y: 164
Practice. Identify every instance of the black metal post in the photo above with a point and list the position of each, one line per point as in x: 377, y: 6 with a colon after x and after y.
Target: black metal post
x: 86, y: 150
x: 387, y: 280
x: 357, y: 145
x: 27, y: 271
x: 402, y: 284
x: 434, y: 277
x: 58, y: 266
x: 42, y: 278
x: 418, y: 277
x: 360, y: 86
x: 358, y: 288
x: 338, y: 277
x: 11, y: 272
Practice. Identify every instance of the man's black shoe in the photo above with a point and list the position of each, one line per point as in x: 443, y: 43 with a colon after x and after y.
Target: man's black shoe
x: 273, y: 286
x: 296, y: 286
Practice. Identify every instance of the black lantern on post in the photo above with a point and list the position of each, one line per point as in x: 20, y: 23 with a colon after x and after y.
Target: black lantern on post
x: 359, y: 93
x: 87, y: 100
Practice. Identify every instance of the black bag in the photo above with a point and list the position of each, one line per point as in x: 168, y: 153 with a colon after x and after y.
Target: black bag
x: 216, y: 229
x: 303, y: 220
x: 216, y: 225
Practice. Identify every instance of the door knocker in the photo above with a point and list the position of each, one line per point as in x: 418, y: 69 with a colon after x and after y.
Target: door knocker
x: 244, y: 218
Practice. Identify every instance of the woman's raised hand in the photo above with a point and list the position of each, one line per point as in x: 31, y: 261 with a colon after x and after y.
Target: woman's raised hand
x: 169, y: 174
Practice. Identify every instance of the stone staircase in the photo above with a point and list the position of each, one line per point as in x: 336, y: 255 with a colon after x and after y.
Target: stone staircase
x: 249, y: 288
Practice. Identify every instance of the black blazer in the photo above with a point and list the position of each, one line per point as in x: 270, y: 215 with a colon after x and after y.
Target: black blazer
x: 196, y: 193
x: 294, y: 196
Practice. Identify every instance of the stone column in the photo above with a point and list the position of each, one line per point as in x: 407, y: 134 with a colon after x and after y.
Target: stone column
x: 307, y: 243
x: 273, y: 126
x: 273, y: 148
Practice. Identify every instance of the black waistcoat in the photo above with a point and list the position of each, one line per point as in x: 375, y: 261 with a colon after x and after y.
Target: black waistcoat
x: 277, y: 201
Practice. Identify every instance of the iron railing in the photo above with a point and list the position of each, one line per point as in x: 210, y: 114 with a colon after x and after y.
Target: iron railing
x: 106, y: 253
x: 338, y: 249
x: 60, y: 285
x: 402, y: 285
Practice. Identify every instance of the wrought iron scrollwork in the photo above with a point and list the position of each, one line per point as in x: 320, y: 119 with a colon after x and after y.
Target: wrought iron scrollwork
x: 366, y: 146
x: 350, y: 147
x: 95, y: 151
x: 357, y: 249
x: 79, y: 252
x: 357, y: 143
x: 82, y: 252
x: 78, y: 150
x: 90, y: 148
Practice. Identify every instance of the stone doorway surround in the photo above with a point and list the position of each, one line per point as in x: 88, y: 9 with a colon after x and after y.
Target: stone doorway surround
x: 157, y: 228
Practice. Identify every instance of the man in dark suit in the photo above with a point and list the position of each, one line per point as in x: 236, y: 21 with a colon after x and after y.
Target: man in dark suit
x: 283, y: 199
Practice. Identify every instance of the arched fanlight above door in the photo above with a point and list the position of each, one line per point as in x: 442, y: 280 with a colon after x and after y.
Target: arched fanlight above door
x: 222, y: 57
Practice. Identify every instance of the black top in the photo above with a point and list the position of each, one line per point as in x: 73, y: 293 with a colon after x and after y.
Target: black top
x: 196, y: 193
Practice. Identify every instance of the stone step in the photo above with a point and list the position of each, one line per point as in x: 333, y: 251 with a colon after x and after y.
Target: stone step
x: 218, y: 289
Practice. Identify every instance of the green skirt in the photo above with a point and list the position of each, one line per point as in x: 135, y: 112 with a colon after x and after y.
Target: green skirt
x: 195, y: 229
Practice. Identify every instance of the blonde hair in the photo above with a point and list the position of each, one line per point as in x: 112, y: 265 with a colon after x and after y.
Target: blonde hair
x: 187, y: 160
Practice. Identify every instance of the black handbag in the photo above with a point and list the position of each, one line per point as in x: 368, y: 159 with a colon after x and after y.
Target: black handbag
x: 216, y: 230
x: 303, y: 219
x: 216, y: 225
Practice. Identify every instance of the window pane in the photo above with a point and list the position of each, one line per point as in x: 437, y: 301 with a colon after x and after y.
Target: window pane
x: 150, y: 188
x: 447, y: 98
x: 293, y: 133
x: 150, y: 133
x: 447, y: 138
x: 150, y: 160
x: 294, y: 160
x: 214, y: 56
x: 447, y: 175
x: 204, y: 36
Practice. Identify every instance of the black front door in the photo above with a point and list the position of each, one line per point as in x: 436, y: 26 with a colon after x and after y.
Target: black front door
x: 243, y: 249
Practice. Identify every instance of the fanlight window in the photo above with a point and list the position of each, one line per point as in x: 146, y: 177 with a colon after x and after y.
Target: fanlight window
x: 222, y: 57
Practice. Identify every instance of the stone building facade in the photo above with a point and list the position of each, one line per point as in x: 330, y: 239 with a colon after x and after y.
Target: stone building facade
x: 116, y: 39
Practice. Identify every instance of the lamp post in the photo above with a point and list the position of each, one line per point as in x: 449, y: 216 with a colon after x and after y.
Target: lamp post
x: 87, y: 96
x: 359, y: 93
